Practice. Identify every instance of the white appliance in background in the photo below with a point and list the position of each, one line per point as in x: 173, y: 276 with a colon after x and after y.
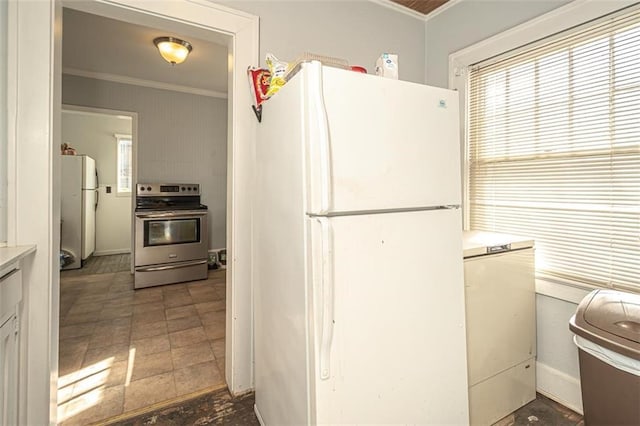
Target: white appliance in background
x: 501, y: 324
x: 358, y: 296
x: 79, y: 201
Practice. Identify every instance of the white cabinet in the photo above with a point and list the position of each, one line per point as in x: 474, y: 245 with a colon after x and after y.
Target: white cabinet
x: 10, y: 297
x: 501, y: 324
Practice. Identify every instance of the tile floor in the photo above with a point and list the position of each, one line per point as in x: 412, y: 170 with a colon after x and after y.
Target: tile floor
x: 121, y: 350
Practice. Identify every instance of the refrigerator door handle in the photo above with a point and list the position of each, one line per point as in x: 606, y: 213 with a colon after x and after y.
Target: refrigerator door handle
x: 327, y: 298
x: 318, y: 115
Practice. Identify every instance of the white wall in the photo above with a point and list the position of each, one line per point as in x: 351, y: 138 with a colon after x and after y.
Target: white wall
x: 93, y: 134
x: 556, y: 347
x: 181, y: 137
x: 470, y: 21
x: 3, y: 121
x: 355, y: 30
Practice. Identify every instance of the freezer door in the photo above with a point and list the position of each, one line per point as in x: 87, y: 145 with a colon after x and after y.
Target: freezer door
x: 388, y: 321
x: 500, y: 308
x: 376, y: 143
x: 89, y: 199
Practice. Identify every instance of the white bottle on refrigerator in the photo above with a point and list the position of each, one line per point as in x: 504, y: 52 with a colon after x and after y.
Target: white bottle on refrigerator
x: 359, y: 298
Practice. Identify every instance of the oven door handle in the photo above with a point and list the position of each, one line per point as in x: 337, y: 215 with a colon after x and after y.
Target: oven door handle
x: 169, y: 214
x: 167, y: 267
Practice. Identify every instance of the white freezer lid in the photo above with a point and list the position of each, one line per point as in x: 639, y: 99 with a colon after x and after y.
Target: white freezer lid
x: 478, y: 243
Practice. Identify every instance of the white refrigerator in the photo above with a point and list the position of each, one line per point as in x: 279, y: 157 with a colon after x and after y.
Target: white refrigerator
x: 78, y: 204
x: 359, y: 297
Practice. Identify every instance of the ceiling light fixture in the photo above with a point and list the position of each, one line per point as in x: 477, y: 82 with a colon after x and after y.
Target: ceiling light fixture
x: 172, y: 49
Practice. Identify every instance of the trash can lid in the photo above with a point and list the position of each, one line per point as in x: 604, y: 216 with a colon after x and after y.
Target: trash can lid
x: 610, y: 318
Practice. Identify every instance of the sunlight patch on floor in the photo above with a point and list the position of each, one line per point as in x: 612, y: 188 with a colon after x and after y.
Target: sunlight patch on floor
x: 82, y: 389
x: 132, y: 357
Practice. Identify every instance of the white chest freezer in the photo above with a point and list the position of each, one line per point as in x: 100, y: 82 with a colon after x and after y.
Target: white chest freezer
x: 501, y: 324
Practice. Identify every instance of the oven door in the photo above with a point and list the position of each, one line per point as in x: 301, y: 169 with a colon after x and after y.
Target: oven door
x: 170, y: 236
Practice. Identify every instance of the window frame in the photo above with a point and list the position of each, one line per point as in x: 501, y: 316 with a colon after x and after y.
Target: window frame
x: 120, y: 138
x: 546, y: 27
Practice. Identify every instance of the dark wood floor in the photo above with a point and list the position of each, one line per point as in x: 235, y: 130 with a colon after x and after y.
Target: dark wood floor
x: 215, y: 408
x: 542, y: 412
x: 220, y: 408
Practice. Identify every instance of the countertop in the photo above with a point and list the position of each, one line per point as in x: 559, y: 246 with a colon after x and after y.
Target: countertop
x: 9, y: 255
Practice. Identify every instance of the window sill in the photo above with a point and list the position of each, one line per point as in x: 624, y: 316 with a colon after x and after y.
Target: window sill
x: 565, y: 292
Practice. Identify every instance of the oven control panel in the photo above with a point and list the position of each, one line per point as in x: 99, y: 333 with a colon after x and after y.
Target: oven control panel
x: 167, y: 189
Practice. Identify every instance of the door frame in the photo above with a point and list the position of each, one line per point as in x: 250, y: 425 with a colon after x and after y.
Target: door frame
x: 134, y: 154
x: 34, y: 115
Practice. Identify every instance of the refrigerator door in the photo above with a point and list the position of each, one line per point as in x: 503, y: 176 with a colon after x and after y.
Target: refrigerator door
x: 388, y: 320
x: 280, y: 295
x: 89, y: 176
x: 71, y: 208
x: 377, y: 143
x: 89, y: 199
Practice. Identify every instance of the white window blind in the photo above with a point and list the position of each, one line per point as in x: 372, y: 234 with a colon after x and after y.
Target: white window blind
x: 554, y: 151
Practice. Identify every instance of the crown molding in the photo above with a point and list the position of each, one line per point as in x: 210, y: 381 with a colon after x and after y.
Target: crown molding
x: 410, y: 12
x: 399, y: 8
x: 439, y: 10
x: 123, y: 79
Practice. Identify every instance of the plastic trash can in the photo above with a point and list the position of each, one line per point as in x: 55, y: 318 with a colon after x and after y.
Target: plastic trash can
x: 607, y: 328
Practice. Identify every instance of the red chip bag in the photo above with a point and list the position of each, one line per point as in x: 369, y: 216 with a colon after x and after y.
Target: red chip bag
x: 259, y: 80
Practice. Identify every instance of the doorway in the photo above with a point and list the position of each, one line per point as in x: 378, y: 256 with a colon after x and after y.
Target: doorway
x: 33, y: 218
x: 106, y: 139
x: 131, y: 349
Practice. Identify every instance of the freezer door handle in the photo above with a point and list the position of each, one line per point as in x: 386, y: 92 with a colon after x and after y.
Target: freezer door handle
x: 498, y: 249
x: 327, y: 298
x: 318, y: 116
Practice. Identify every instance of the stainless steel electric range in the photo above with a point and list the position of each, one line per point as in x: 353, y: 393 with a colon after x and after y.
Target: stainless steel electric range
x: 171, y: 235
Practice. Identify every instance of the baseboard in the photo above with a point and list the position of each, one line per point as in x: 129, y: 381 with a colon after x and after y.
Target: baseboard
x: 110, y: 252
x: 559, y: 386
x: 255, y: 410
